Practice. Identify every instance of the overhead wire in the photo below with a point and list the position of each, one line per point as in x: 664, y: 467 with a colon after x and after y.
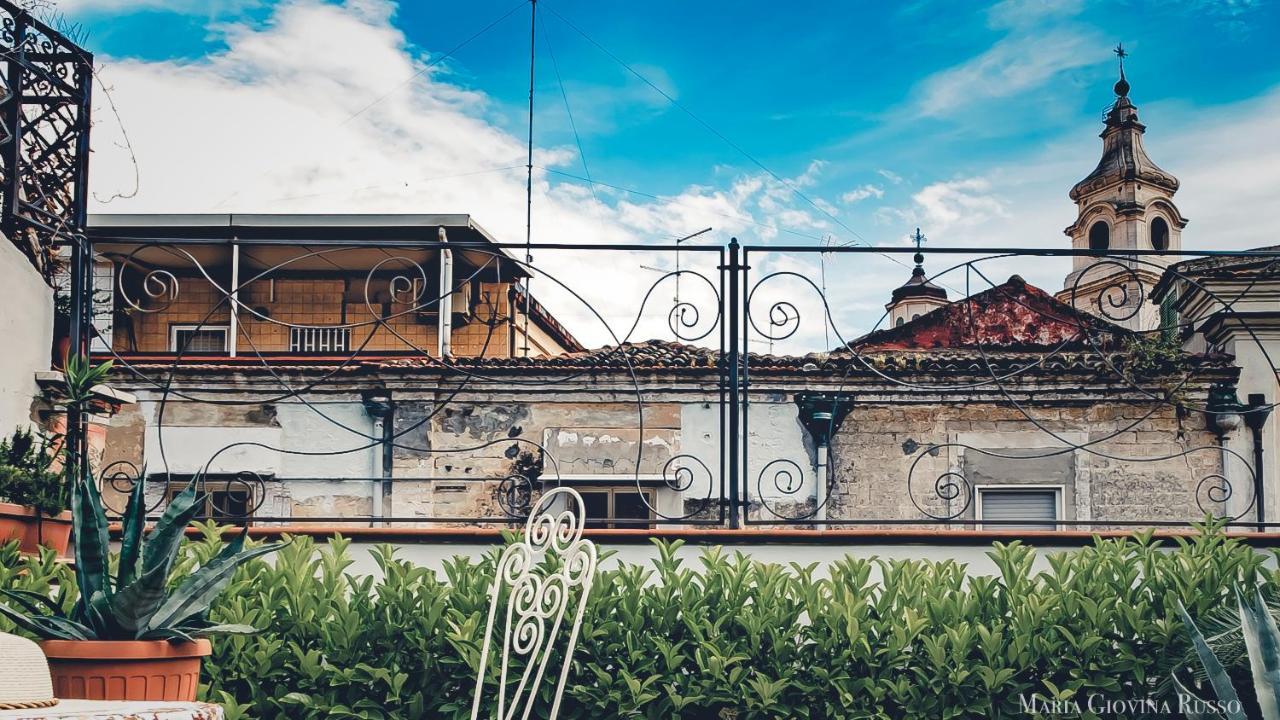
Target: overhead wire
x: 577, y: 139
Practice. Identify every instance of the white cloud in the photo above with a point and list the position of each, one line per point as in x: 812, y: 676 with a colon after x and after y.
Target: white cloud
x: 862, y: 192
x: 266, y: 126
x: 260, y: 128
x: 1015, y: 64
x: 890, y: 175
x: 959, y: 203
x: 1027, y: 13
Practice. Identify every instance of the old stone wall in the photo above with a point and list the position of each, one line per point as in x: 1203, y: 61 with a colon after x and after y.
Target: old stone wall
x: 456, y: 443
x: 1136, y: 465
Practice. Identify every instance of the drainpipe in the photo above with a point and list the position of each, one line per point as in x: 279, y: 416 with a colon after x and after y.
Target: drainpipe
x: 444, y: 343
x: 380, y: 408
x: 1255, y: 416
x: 1223, y: 413
x: 233, y: 330
x: 821, y: 414
x: 820, y: 476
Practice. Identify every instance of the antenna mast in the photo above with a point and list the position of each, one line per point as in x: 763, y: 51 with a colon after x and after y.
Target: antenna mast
x: 528, y: 205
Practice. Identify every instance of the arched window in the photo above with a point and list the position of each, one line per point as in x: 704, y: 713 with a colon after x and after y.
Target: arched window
x: 901, y: 320
x: 1159, y: 234
x: 1099, y: 236
x: 916, y: 316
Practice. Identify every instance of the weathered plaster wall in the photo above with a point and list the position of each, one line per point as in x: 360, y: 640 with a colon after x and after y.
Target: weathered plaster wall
x: 457, y: 445
x: 230, y: 438
x: 26, y: 324
x: 1122, y: 479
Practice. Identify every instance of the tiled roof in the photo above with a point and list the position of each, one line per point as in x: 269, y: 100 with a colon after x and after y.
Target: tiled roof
x: 1012, y: 316
x: 660, y: 355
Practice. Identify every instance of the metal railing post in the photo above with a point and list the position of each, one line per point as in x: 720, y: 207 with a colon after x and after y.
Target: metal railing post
x: 735, y: 379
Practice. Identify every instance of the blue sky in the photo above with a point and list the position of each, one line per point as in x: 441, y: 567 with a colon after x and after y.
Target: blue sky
x: 971, y: 120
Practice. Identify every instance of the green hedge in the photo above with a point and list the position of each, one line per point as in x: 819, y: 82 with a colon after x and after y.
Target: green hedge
x: 724, y: 636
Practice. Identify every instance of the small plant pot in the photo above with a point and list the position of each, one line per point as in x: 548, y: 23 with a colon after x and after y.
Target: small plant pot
x: 33, y: 529
x: 147, y: 670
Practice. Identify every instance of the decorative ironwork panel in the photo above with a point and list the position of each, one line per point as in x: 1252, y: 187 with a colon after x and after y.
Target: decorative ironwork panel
x: 45, y: 88
x: 540, y: 582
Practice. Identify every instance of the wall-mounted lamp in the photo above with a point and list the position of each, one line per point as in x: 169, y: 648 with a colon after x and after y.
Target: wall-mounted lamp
x: 1223, y: 410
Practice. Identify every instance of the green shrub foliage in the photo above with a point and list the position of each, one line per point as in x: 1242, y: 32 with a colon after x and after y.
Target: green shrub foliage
x: 719, y: 635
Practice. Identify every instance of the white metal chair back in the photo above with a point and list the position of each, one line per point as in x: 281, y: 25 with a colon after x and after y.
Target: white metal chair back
x: 537, y: 604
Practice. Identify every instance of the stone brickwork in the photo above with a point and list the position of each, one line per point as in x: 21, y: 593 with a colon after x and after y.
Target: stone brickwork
x: 458, y: 438
x: 1122, y: 479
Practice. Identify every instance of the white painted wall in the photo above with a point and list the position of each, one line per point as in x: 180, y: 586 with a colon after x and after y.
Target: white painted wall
x: 776, y: 439
x: 434, y: 555
x: 26, y: 324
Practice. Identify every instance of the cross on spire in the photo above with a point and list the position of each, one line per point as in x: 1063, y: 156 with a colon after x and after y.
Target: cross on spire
x: 919, y: 239
x: 1122, y: 85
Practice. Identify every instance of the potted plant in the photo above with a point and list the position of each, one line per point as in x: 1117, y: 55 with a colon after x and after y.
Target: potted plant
x: 61, y: 328
x: 139, y: 635
x: 33, y: 496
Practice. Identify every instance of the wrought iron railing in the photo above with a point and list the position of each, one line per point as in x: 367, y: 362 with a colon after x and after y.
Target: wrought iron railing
x: 771, y: 397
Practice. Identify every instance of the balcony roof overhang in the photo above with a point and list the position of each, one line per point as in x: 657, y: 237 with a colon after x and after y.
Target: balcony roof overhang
x: 312, y: 242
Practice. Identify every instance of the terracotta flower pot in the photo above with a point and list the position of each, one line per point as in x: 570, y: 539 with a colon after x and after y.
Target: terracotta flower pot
x: 33, y: 529
x: 149, y: 670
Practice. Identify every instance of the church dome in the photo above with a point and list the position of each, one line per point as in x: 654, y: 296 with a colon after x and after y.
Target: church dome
x: 918, y: 286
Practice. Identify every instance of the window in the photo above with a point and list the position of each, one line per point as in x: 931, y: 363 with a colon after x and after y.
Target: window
x: 1169, y: 316
x: 1159, y: 234
x: 1099, y: 236
x: 1023, y: 508
x: 901, y: 321
x: 629, y: 504
x: 198, y: 338
x: 226, y: 499
x: 319, y: 339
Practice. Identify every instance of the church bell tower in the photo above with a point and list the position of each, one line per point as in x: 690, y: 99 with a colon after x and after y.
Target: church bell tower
x: 1126, y: 203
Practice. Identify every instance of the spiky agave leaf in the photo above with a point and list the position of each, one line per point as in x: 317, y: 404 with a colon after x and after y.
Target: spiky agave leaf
x: 1217, y: 676
x: 49, y: 627
x: 1234, y: 712
x: 89, y: 522
x: 132, y: 525
x: 193, y: 597
x: 1263, y: 640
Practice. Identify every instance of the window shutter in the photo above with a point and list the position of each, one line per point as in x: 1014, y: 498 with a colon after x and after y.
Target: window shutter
x: 1034, y: 509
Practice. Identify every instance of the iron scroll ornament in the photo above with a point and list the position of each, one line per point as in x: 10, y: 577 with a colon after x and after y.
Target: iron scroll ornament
x: 538, y: 595
x: 951, y: 494
x: 145, y: 289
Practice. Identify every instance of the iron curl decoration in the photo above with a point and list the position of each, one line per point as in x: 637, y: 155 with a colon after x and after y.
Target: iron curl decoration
x: 246, y: 485
x: 787, y: 479
x: 1216, y: 488
x: 679, y: 476
x: 515, y: 495
x: 159, y: 287
x: 684, y: 317
x: 538, y: 597
x: 681, y: 473
x: 122, y: 476
x: 1124, y: 292
x: 949, y: 486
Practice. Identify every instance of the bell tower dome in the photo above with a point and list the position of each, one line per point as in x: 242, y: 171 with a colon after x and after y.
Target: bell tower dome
x: 1125, y: 204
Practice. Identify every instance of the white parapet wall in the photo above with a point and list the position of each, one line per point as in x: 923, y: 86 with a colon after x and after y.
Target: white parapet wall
x: 26, y: 324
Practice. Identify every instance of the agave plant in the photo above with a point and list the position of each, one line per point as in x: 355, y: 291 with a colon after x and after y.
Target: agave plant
x: 138, y: 603
x: 1262, y: 641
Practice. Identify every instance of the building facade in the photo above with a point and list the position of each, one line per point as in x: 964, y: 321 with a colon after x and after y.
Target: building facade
x: 312, y: 370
